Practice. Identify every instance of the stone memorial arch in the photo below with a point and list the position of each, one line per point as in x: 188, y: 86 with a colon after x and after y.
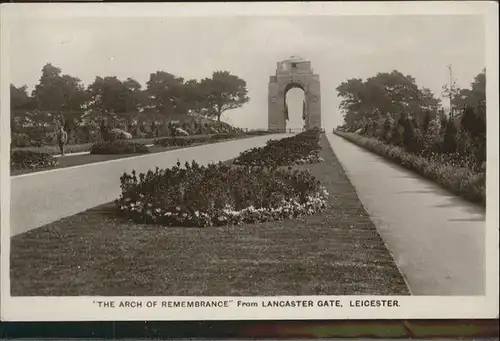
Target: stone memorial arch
x: 294, y: 73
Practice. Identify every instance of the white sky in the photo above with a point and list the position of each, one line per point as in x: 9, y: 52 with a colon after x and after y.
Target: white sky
x: 339, y: 47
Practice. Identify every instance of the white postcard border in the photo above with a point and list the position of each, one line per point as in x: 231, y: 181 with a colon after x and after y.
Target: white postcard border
x: 84, y: 308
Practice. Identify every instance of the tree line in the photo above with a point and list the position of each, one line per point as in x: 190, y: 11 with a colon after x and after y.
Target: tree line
x: 61, y: 99
x: 393, y: 108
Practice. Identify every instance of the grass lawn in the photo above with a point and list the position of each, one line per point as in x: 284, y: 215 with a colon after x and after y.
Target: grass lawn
x: 54, y: 149
x: 337, y: 252
x: 85, y: 147
x: 78, y: 160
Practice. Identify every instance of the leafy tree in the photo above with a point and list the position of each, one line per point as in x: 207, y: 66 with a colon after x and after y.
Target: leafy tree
x: 195, y: 94
x: 409, y: 138
x: 432, y: 137
x: 428, y: 103
x: 388, y: 127
x: 462, y: 98
x: 393, y: 93
x: 426, y: 121
x: 166, y: 92
x: 477, y: 95
x: 19, y: 98
x: 471, y: 138
x: 472, y: 135
x: 60, y: 97
x: 398, y: 130
x: 220, y: 93
x: 21, y: 105
x: 450, y: 137
x: 354, y: 103
x: 117, y: 102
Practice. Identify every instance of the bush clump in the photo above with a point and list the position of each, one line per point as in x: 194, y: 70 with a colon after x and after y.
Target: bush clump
x: 223, y: 136
x: 256, y: 132
x: 25, y: 159
x: 118, y: 147
x: 219, y: 194
x: 174, y: 142
x: 451, y: 171
x: 299, y: 149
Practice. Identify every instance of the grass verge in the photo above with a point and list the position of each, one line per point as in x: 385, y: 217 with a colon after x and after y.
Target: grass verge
x: 460, y: 181
x: 78, y: 160
x: 337, y: 252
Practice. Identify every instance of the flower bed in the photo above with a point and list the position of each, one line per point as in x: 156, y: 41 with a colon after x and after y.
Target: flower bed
x: 458, y: 178
x: 299, y: 149
x: 24, y: 159
x: 118, y: 147
x: 219, y: 194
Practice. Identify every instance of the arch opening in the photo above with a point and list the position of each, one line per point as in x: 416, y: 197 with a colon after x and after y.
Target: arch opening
x: 295, y: 106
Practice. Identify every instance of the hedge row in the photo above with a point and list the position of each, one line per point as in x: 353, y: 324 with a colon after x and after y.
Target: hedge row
x: 118, y: 147
x: 462, y: 181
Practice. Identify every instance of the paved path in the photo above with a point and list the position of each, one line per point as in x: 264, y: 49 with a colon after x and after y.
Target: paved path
x: 43, y: 197
x: 437, y: 239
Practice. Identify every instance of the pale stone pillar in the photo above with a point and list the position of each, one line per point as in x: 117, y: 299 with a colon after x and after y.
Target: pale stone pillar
x: 294, y: 73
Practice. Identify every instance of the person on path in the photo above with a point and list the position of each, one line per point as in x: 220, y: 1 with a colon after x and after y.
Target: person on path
x: 62, y: 138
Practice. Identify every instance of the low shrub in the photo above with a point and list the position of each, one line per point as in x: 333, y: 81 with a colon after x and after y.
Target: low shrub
x: 175, y: 142
x: 118, y: 147
x: 120, y: 134
x: 256, y: 132
x: 181, y: 132
x: 299, y: 149
x: 23, y: 159
x: 20, y: 140
x: 223, y: 136
x: 185, y: 141
x: 451, y: 171
x: 218, y: 194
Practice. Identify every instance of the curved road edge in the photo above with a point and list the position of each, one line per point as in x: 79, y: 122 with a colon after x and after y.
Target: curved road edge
x: 47, y: 196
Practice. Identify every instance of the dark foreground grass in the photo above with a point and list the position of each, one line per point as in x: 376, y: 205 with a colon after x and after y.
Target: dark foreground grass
x: 337, y: 252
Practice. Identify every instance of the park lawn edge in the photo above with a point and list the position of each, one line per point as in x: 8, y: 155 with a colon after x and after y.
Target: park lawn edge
x: 472, y: 194
x: 336, y: 252
x: 84, y: 159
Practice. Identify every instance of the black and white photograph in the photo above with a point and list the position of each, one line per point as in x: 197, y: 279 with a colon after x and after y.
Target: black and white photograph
x: 259, y: 160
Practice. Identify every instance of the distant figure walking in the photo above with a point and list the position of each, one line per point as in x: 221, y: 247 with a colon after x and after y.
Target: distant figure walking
x: 62, y: 138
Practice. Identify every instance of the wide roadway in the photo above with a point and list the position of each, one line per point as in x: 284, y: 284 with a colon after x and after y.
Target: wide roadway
x: 436, y: 238
x: 43, y: 197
